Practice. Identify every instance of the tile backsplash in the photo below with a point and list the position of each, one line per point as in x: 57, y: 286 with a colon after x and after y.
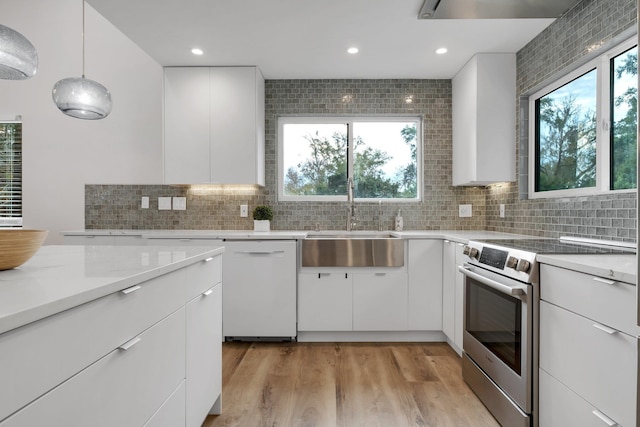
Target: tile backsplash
x: 561, y: 44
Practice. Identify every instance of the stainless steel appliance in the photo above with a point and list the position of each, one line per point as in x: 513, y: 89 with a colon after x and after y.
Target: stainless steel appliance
x: 501, y: 305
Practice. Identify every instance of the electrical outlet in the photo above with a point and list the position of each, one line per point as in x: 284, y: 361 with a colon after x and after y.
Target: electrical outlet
x: 144, y: 204
x: 244, y: 211
x: 465, y: 211
x: 164, y: 203
x: 501, y: 210
x: 179, y: 203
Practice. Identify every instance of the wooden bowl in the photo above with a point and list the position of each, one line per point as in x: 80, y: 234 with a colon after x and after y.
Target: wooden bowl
x: 17, y: 246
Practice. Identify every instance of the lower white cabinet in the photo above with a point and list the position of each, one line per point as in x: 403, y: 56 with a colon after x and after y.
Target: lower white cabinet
x: 452, y: 293
x: 325, y: 302
x: 347, y: 301
x: 123, y: 388
x: 380, y: 301
x: 588, y: 362
x: 204, y: 355
x: 425, y: 284
x: 149, y: 355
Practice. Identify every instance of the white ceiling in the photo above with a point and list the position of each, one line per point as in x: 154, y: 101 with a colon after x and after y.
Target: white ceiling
x: 294, y: 39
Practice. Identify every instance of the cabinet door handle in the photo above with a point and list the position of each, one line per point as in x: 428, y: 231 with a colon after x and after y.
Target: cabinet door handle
x: 126, y: 346
x: 603, y: 328
x: 207, y: 292
x: 381, y: 274
x: 605, y: 281
x: 131, y: 289
x: 260, y: 252
x: 209, y: 259
x: 608, y: 421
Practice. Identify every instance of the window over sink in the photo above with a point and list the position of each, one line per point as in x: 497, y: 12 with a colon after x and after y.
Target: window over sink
x: 318, y: 155
x: 10, y: 174
x: 583, y: 128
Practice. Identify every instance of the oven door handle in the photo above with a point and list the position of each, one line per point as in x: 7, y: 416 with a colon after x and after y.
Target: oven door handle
x: 491, y: 283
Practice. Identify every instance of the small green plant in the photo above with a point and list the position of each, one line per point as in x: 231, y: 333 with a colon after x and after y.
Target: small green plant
x: 262, y: 213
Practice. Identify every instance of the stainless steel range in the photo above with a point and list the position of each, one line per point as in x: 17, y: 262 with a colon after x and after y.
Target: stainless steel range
x: 500, y: 338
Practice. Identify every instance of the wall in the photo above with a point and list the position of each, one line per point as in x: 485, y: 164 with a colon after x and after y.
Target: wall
x: 218, y: 208
x: 583, y: 32
x: 62, y: 154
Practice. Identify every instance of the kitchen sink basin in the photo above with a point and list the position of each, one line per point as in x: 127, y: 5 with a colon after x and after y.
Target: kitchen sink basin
x: 352, y: 249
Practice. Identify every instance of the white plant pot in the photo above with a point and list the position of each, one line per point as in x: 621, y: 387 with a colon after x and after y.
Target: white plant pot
x: 262, y: 225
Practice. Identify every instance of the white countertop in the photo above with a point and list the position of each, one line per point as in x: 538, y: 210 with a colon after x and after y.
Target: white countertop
x: 617, y: 267
x: 57, y: 278
x: 461, y: 236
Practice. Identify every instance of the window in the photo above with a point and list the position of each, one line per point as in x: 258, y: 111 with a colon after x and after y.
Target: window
x: 583, y: 128
x: 317, y: 156
x: 10, y: 174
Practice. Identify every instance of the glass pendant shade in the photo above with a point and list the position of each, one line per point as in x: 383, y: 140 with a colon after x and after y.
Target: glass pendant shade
x: 82, y: 98
x: 18, y: 57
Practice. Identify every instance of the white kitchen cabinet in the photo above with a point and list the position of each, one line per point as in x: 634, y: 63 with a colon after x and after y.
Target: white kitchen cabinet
x: 380, y: 301
x: 325, y: 302
x: 425, y: 284
x: 128, y: 377
x: 452, y: 294
x: 124, y: 359
x: 204, y: 340
x: 337, y: 300
x: 259, y: 279
x: 484, y: 120
x: 585, y: 350
x: 213, y: 125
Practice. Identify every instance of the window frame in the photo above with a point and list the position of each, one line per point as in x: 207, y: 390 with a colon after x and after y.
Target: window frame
x: 602, y: 65
x: 349, y: 120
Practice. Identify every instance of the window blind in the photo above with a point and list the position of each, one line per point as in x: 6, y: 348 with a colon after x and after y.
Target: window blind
x: 10, y: 174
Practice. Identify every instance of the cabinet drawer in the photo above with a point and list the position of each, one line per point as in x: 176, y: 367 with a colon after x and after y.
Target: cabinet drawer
x: 37, y: 357
x: 203, y: 275
x: 171, y: 413
x: 125, y: 378
x: 605, y: 301
x: 561, y: 407
x: 590, y: 361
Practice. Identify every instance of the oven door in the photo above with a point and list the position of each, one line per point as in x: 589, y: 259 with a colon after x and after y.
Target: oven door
x: 498, y: 330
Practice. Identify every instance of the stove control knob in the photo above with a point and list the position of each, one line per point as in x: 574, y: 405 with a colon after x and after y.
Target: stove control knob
x: 523, y: 266
x: 470, y: 252
x: 512, y: 262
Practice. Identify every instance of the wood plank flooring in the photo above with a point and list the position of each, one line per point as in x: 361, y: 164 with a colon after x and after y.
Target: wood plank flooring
x: 345, y: 385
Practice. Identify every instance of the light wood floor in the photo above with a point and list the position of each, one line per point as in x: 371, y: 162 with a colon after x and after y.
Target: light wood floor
x: 345, y: 385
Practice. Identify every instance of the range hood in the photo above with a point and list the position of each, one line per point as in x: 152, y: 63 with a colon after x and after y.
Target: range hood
x: 494, y: 9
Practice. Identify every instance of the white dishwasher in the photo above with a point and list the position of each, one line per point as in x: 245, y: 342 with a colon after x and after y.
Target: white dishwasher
x: 259, y: 289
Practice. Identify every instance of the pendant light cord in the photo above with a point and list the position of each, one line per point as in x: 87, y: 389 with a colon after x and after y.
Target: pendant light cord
x: 83, y: 38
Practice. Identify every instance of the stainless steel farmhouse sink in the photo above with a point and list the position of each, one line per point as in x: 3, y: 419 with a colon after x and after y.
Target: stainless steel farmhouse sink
x: 352, y: 249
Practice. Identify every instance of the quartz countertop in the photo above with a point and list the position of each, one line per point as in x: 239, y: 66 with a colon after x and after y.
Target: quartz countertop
x: 57, y: 278
x: 620, y: 267
x: 461, y: 236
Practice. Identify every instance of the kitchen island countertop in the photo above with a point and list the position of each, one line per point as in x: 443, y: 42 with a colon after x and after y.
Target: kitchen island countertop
x: 58, y: 278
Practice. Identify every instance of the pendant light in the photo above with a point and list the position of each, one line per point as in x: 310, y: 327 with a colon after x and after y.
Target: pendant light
x: 18, y: 57
x: 80, y: 97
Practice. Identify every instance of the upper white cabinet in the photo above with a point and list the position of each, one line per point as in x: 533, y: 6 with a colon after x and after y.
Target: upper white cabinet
x: 484, y: 120
x: 213, y: 125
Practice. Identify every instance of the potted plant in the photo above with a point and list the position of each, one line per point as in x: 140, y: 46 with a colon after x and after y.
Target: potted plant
x: 262, y: 216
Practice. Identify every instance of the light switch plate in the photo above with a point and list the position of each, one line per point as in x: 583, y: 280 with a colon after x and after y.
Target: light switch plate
x: 465, y: 211
x: 501, y: 210
x: 144, y: 204
x: 164, y: 203
x: 179, y: 203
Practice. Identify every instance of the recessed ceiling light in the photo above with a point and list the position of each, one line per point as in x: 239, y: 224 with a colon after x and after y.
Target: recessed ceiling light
x: 441, y: 50
x: 353, y: 50
x: 197, y: 51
